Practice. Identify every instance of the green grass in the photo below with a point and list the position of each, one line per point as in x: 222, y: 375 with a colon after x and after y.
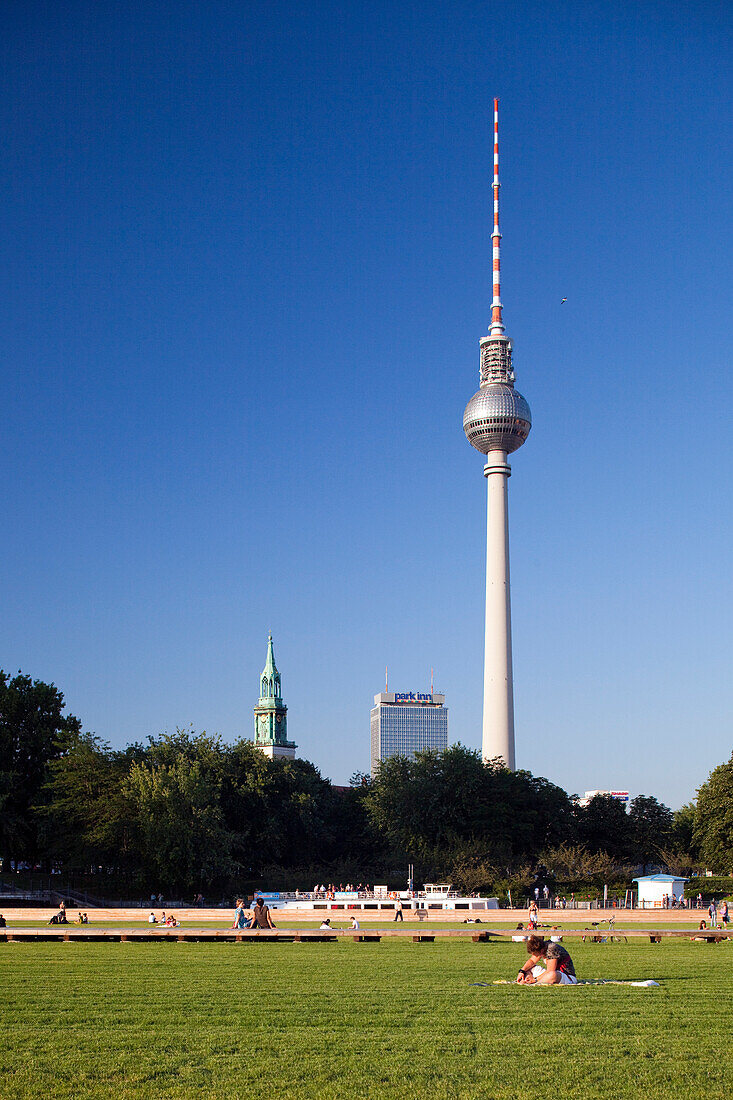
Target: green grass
x: 344, y: 1020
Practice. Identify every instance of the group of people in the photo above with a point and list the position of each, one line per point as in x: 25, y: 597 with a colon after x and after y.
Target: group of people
x: 259, y: 916
x: 549, y: 902
x: 61, y: 916
x: 326, y: 925
x: 321, y: 891
x: 670, y: 901
x: 719, y: 914
x: 168, y: 921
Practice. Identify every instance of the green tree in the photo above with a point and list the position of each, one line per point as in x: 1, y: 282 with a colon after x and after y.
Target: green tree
x: 277, y: 810
x: 33, y: 732
x: 603, y: 826
x: 683, y: 827
x: 650, y: 824
x: 177, y: 823
x: 451, y: 808
x: 86, y: 814
x: 713, y: 829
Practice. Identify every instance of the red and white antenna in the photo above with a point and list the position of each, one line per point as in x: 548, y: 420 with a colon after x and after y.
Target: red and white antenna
x: 496, y: 327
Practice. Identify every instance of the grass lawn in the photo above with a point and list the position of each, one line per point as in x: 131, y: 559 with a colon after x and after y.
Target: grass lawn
x: 343, y: 1020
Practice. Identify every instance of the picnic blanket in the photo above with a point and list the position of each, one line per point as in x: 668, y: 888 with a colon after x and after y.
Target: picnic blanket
x: 648, y: 984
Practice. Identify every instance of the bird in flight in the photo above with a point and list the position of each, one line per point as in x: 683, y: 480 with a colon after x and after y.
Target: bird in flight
x: 562, y: 303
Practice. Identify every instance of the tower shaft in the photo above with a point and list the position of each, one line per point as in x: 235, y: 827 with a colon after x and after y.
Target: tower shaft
x: 498, y: 716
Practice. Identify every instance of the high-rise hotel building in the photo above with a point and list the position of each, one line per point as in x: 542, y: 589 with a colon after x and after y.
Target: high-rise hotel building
x: 403, y: 724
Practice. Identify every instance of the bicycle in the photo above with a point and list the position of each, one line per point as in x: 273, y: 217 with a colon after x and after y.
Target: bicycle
x: 603, y: 935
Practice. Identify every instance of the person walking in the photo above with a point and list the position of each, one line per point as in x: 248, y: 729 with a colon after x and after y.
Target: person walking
x: 398, y: 911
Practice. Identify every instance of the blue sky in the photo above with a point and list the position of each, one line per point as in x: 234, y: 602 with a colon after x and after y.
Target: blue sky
x: 244, y: 269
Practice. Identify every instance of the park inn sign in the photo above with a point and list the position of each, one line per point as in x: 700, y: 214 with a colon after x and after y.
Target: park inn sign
x: 412, y: 697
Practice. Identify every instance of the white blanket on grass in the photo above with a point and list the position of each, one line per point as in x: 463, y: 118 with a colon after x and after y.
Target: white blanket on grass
x: 648, y: 984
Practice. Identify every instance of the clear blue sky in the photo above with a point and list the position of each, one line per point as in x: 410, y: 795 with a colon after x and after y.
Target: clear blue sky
x: 244, y: 269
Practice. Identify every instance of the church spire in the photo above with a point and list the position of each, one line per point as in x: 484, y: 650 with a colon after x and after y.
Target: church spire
x: 271, y: 714
x: 270, y: 680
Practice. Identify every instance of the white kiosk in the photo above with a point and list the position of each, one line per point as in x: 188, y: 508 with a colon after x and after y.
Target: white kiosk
x: 652, y: 889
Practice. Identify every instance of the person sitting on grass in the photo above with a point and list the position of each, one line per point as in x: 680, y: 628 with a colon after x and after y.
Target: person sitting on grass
x: 152, y: 919
x: 559, y: 969
x: 326, y: 924
x: 242, y: 918
x: 171, y: 921
x: 702, y: 927
x: 354, y: 922
x: 261, y: 915
x: 3, y: 922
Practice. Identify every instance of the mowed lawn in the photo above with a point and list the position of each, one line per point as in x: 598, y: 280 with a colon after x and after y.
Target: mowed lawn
x: 394, y: 1019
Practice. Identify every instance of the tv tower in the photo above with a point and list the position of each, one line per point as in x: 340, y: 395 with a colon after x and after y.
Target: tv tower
x: 497, y: 421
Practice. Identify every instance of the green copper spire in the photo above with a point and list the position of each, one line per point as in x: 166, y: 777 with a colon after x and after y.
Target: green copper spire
x: 270, y: 679
x: 271, y: 714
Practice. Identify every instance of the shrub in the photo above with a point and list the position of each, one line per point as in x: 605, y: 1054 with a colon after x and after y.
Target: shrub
x: 717, y: 886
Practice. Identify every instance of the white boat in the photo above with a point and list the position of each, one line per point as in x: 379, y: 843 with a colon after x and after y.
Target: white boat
x: 433, y: 896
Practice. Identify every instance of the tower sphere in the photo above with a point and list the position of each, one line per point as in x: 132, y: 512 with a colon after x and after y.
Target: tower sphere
x: 497, y: 418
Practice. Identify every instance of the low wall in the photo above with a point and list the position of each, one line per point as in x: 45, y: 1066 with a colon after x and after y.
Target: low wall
x: 222, y: 917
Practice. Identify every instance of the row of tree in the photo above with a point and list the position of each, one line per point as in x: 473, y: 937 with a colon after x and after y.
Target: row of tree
x: 188, y: 812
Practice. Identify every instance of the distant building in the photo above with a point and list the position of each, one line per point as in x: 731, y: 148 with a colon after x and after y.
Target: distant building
x: 403, y: 724
x: 271, y: 714
x: 621, y: 796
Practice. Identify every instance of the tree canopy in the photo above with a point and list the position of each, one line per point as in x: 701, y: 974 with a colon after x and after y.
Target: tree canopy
x: 189, y: 812
x: 33, y: 732
x: 453, y: 802
x: 713, y: 828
